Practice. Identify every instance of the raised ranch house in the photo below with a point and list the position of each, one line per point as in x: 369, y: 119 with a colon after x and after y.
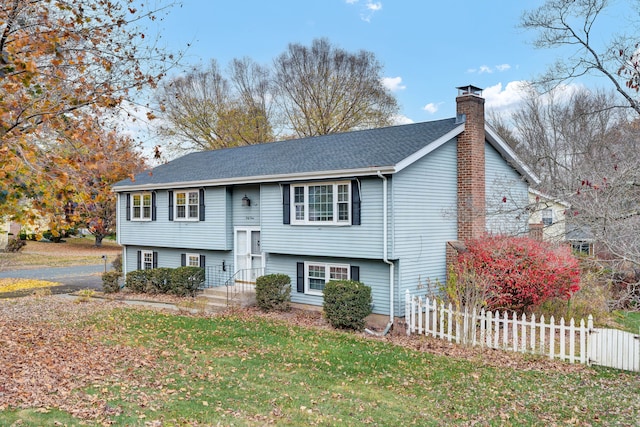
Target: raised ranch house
x: 376, y: 205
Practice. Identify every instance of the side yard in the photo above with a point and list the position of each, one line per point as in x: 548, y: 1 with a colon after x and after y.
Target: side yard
x: 100, y: 363
x: 74, y: 251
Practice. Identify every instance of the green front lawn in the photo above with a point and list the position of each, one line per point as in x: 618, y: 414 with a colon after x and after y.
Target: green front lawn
x: 243, y: 369
x: 628, y: 320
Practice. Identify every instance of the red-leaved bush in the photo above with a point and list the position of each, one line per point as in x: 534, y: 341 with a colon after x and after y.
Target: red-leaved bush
x: 521, y: 273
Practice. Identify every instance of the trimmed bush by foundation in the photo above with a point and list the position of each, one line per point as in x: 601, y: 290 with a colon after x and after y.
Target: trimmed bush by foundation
x: 347, y: 303
x: 273, y: 292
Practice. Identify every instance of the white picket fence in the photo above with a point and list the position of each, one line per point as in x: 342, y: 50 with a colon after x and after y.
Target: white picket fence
x: 559, y: 340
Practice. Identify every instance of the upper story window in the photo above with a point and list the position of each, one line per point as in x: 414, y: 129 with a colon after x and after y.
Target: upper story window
x: 321, y: 203
x: 187, y: 205
x: 547, y: 217
x: 141, y: 206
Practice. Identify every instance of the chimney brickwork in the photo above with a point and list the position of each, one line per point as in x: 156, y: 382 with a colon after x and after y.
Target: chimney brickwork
x: 471, y: 166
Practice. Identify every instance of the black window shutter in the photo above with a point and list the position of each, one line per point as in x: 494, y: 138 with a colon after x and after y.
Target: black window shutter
x: 155, y: 259
x: 202, y: 261
x: 201, y: 199
x: 286, y: 204
x: 139, y: 260
x: 128, y: 207
x: 355, y: 203
x: 300, y: 275
x: 153, y: 206
x: 183, y: 260
x: 170, y: 205
x: 355, y: 273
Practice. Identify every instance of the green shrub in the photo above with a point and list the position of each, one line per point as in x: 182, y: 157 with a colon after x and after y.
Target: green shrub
x: 117, y: 263
x: 160, y: 279
x: 347, y: 303
x: 185, y: 281
x: 138, y: 281
x: 182, y: 281
x: 15, y: 245
x: 111, y: 282
x: 273, y: 292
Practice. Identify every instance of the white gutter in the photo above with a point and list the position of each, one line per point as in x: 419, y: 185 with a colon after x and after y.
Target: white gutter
x: 261, y: 179
x: 385, y: 251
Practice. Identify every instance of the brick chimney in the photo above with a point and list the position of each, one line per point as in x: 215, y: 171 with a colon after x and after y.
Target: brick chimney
x: 471, y: 175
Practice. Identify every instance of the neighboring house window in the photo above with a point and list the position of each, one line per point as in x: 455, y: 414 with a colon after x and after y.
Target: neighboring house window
x: 580, y: 247
x: 147, y: 260
x: 141, y: 206
x: 325, y: 203
x: 317, y: 275
x: 187, y: 205
x: 547, y: 217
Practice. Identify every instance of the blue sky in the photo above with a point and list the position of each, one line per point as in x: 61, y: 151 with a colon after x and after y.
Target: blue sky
x: 427, y: 48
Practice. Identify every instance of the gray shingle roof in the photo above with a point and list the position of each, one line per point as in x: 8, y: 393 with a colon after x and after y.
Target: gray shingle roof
x: 345, y: 151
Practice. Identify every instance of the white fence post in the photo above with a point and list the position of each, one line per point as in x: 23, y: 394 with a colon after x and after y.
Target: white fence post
x: 484, y: 328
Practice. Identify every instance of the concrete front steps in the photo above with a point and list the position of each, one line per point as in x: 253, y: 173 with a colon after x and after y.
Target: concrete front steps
x: 220, y: 298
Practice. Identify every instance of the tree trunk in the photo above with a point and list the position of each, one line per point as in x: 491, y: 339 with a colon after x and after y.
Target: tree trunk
x: 99, y: 238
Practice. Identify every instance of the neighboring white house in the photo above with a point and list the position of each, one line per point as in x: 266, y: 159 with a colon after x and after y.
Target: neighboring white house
x: 550, y: 212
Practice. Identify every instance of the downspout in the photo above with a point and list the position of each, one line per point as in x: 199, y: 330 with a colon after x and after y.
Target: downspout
x: 385, y: 252
x: 124, y: 249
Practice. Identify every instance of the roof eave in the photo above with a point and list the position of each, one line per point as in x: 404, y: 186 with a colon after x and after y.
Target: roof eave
x: 335, y: 174
x: 429, y: 148
x: 508, y: 154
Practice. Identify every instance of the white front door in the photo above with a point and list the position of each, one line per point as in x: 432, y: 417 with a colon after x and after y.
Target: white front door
x: 247, y: 254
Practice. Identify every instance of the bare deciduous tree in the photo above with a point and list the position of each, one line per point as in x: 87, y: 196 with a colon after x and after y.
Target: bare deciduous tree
x: 573, y: 24
x: 323, y: 89
x: 203, y: 110
x: 587, y: 154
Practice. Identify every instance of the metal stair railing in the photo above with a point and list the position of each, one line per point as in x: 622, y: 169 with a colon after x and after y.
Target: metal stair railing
x: 241, y: 281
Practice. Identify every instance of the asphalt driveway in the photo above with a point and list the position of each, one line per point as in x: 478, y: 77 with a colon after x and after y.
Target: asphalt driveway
x: 71, y: 279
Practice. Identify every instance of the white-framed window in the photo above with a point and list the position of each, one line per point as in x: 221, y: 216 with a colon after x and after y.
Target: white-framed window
x: 193, y: 260
x: 547, y: 217
x: 187, y: 205
x: 146, y: 262
x: 141, y: 207
x: 321, y: 203
x: 317, y: 275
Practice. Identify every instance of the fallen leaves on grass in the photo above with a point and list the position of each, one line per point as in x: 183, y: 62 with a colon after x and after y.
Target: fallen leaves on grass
x: 48, y: 355
x: 12, y: 285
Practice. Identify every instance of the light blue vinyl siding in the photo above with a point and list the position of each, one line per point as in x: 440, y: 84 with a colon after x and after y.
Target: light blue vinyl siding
x: 424, y: 214
x: 212, y: 234
x: 374, y: 274
x: 246, y: 215
x: 506, y: 195
x: 171, y: 257
x: 363, y: 241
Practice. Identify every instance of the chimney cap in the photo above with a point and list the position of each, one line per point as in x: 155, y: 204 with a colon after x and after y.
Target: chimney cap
x: 469, y: 90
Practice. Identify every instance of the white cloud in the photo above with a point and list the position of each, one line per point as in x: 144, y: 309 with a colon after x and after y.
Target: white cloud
x: 368, y: 9
x: 393, y: 84
x: 504, y: 99
x: 402, y: 120
x: 485, y: 69
x: 374, y: 7
x: 431, y: 108
x: 498, y: 98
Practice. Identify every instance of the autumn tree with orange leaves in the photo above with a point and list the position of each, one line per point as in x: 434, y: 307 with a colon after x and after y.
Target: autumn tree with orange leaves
x: 65, y: 66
